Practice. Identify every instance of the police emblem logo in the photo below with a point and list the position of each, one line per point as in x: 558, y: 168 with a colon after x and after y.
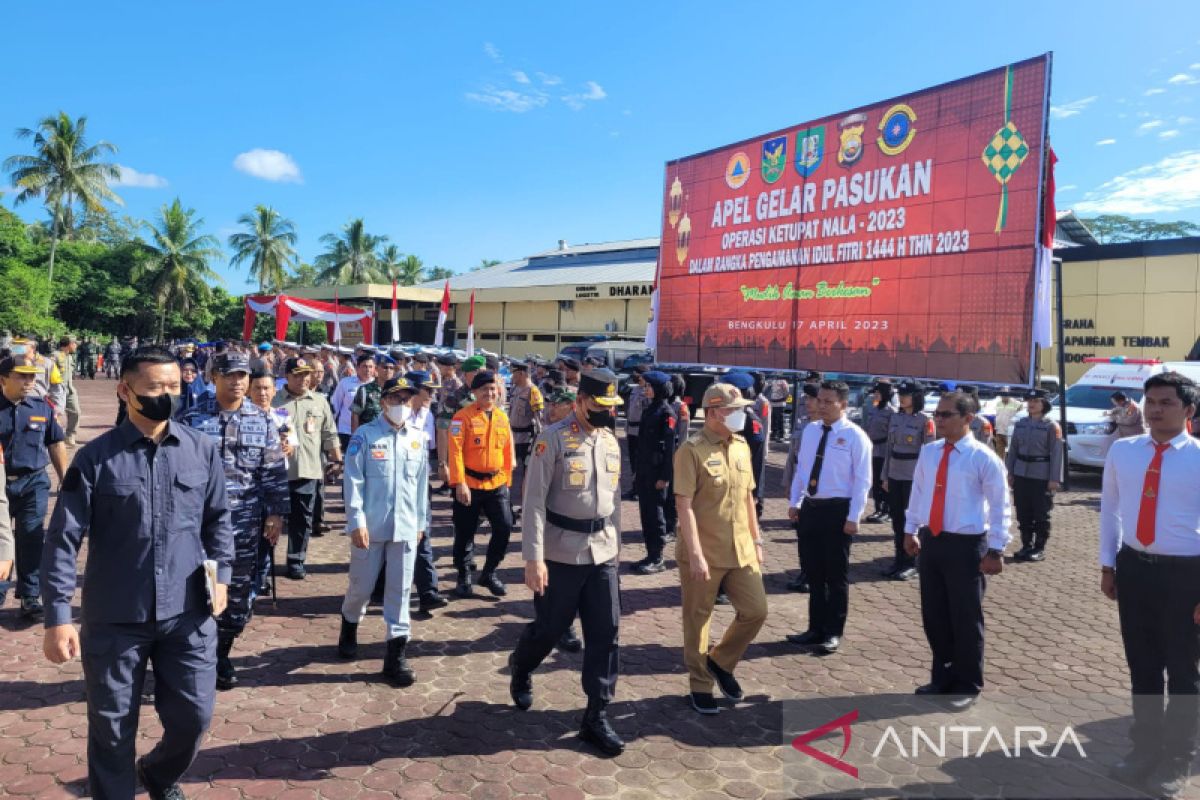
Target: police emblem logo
x: 851, y: 135
x: 774, y: 158
x: 897, y: 129
x: 908, y: 439
x: 611, y: 391
x: 810, y: 149
x: 539, y: 449
x: 737, y: 171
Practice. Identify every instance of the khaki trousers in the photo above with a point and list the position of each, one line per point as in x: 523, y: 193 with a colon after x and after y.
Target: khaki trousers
x: 744, y: 585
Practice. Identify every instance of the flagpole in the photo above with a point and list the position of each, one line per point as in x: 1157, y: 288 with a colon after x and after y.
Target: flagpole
x: 471, y: 328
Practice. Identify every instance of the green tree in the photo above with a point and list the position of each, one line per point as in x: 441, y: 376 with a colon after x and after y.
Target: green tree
x: 1110, y: 228
x: 405, y: 270
x: 303, y: 275
x: 267, y: 244
x: 485, y: 263
x: 177, y: 269
x: 439, y: 274
x: 351, y: 257
x: 62, y: 171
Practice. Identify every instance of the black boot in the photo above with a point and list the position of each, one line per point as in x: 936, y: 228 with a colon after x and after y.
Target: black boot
x: 463, y: 587
x: 520, y: 685
x: 226, y: 674
x: 395, y: 666
x: 348, y: 640
x: 597, y: 732
x: 569, y: 641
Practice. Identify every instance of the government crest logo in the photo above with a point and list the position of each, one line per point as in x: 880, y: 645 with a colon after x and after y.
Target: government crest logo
x: 737, y: 171
x: 897, y: 129
x: 810, y: 149
x: 774, y: 158
x: 851, y: 133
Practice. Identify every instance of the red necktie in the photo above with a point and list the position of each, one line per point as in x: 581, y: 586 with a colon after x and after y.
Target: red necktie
x: 937, y: 511
x: 1149, y: 507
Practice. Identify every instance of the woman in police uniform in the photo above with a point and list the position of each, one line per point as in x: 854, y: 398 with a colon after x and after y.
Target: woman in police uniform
x: 909, y: 430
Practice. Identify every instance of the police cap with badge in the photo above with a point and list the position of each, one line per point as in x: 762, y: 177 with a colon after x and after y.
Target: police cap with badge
x: 601, y: 386
x: 297, y: 365
x: 230, y: 363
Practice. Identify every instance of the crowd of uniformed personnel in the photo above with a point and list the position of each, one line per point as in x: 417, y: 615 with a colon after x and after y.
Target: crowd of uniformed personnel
x: 220, y: 454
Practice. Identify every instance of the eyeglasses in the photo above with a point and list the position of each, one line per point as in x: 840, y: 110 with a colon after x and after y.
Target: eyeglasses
x: 945, y: 414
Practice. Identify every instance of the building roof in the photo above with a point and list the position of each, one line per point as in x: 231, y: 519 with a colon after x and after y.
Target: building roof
x: 629, y: 261
x: 1069, y: 231
x: 1187, y: 245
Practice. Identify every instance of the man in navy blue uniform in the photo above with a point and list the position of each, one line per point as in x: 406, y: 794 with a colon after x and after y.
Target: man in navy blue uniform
x: 31, y: 438
x: 653, y: 468
x: 150, y: 495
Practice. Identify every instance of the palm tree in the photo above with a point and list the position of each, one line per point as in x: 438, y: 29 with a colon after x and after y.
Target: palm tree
x: 350, y: 257
x: 485, y: 263
x: 267, y: 244
x: 404, y: 270
x: 177, y: 260
x: 63, y: 170
x: 439, y: 274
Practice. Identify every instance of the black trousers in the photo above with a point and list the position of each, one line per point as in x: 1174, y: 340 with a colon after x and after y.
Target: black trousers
x: 825, y: 558
x: 183, y: 652
x: 952, y: 608
x: 593, y: 591
x: 778, y: 423
x: 493, y: 504
x: 631, y: 446
x: 1033, y: 501
x: 652, y: 509
x: 1156, y: 600
x: 300, y: 518
x: 878, y: 493
x: 898, y: 494
x: 758, y: 460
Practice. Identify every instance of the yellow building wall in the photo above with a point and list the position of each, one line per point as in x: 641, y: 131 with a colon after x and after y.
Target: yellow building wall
x: 510, y: 327
x: 1128, y: 298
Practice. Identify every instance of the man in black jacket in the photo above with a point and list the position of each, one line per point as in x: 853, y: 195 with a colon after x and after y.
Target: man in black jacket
x: 653, y: 462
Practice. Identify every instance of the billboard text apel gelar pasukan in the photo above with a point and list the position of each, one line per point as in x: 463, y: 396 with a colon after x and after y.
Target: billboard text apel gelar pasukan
x: 895, y: 239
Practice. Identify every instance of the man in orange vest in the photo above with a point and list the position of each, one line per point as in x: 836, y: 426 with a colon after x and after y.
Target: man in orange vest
x: 480, y: 455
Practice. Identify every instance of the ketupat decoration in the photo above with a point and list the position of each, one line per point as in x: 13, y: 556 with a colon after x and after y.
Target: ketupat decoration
x: 1005, y: 152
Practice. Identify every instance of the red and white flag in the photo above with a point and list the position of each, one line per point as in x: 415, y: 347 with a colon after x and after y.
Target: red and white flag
x: 395, y: 316
x: 442, y: 314
x: 1042, y: 315
x: 337, y: 320
x: 471, y: 328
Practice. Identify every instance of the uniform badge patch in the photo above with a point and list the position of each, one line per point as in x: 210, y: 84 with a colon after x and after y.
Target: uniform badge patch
x: 455, y: 427
x: 539, y: 449
x: 576, y: 479
x: 354, y: 447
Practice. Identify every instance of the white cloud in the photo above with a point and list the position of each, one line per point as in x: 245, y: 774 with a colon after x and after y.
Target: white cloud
x: 1066, y: 188
x: 1183, y: 78
x: 1073, y: 108
x: 270, y: 165
x: 594, y: 92
x: 1172, y: 184
x: 1105, y: 142
x: 520, y: 77
x: 1154, y: 91
x: 508, y: 99
x: 138, y: 180
x: 1146, y: 127
x: 1185, y: 120
x: 1194, y: 66
x: 492, y: 52
x: 547, y: 79
x: 1171, y: 134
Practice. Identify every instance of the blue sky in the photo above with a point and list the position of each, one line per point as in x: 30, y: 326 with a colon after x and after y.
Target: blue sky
x: 491, y: 130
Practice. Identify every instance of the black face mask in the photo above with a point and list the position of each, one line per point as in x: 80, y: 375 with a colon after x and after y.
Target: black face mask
x: 159, y: 408
x: 601, y: 419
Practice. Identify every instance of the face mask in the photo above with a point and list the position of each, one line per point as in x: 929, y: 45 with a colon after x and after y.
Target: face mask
x: 159, y: 408
x: 736, y: 420
x: 398, y: 415
x: 599, y: 419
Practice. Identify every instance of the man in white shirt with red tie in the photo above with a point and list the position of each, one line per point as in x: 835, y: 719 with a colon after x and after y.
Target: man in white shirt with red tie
x: 829, y: 492
x: 1150, y: 564
x: 957, y: 521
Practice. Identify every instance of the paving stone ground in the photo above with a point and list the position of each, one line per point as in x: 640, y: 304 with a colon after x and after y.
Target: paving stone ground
x: 305, y: 725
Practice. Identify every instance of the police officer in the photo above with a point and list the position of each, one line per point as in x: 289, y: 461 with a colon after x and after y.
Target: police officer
x: 256, y: 486
x: 909, y: 430
x: 425, y: 577
x: 981, y: 429
x: 150, y: 496
x: 87, y: 358
x: 525, y: 417
x: 877, y: 419
x: 654, y: 462
x: 1035, y: 472
x: 480, y: 468
x: 31, y: 438
x: 571, y: 369
x: 386, y: 486
x: 633, y: 423
x: 368, y: 398
x: 755, y: 430
x: 8, y: 547
x: 64, y: 360
x: 571, y: 545
x: 801, y: 416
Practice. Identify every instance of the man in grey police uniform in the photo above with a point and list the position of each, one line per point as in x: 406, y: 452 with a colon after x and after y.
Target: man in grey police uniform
x: 909, y: 429
x: 571, y: 544
x: 256, y: 483
x: 1035, y: 471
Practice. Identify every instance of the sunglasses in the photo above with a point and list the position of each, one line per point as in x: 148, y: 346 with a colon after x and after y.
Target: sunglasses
x: 945, y: 414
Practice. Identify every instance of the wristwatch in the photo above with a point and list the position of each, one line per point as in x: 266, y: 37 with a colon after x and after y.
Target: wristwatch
x: 994, y: 553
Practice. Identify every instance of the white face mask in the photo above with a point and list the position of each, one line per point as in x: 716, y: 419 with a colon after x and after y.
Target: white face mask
x: 398, y: 415
x: 736, y: 420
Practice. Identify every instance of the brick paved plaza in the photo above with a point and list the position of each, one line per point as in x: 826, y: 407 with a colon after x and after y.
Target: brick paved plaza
x: 303, y: 724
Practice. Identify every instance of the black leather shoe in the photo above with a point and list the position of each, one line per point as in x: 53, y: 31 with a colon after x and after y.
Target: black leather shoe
x: 463, y: 587
x: 520, y: 685
x: 1134, y: 768
x: 1170, y: 777
x: 798, y: 584
x: 597, y: 731
x: 830, y: 645
x: 877, y: 516
x: 569, y: 642
x: 1023, y: 553
x: 226, y: 674
x: 906, y: 574
x: 961, y: 702
x: 630, y: 495
x: 725, y: 680
x: 1037, y: 554
x: 489, y: 581
x: 722, y: 599
x: 348, y: 640
x: 170, y: 793
x: 704, y: 703
x: 650, y: 567
x: 31, y: 608
x: 889, y: 572
x: 929, y: 689
x: 806, y: 638
x: 432, y: 602
x: 395, y: 666
x: 296, y: 572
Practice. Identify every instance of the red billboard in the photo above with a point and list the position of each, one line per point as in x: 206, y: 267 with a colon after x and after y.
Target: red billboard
x: 894, y: 239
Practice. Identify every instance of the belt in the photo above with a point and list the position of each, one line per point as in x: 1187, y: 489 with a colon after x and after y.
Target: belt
x: 1156, y: 558
x: 928, y: 530
x: 14, y: 475
x: 905, y: 456
x: 528, y: 429
x: 578, y: 525
x: 879, y: 441
x: 480, y: 476
x: 820, y: 502
x: 1034, y: 459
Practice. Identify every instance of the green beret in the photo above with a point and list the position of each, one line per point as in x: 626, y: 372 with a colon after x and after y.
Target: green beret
x: 473, y: 364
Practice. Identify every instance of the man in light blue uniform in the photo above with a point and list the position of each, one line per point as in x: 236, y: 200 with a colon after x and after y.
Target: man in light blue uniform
x: 387, y: 511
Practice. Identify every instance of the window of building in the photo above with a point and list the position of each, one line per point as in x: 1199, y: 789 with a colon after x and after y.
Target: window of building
x: 516, y: 337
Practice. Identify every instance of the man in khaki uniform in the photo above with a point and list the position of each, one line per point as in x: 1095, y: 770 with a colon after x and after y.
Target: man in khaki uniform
x: 719, y: 545
x: 64, y: 360
x: 571, y: 542
x: 525, y: 418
